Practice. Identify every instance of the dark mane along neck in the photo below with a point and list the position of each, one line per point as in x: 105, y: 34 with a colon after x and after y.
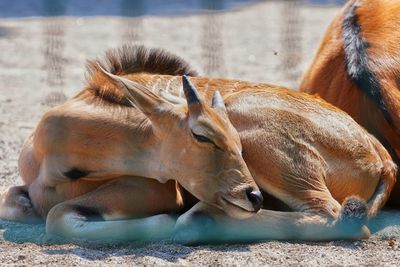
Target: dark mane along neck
x: 130, y: 59
x: 357, y: 59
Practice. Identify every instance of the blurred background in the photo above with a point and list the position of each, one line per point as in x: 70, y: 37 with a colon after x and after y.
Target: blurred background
x: 44, y: 45
x: 269, y: 41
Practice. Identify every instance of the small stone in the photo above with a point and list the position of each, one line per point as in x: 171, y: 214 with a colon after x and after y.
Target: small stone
x: 21, y: 257
x: 392, y: 243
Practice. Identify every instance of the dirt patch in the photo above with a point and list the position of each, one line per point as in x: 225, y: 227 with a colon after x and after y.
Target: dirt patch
x: 42, y: 62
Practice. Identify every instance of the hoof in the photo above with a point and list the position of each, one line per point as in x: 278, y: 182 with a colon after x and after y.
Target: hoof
x: 15, y: 205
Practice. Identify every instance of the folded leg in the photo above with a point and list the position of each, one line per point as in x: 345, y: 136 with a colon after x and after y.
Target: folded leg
x: 205, y: 224
x: 16, y: 205
x: 129, y: 208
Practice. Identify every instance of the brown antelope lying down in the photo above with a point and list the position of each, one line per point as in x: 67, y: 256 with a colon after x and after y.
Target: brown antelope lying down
x: 357, y: 68
x: 113, y: 161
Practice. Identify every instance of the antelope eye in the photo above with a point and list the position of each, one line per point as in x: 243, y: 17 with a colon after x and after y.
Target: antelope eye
x: 202, y: 138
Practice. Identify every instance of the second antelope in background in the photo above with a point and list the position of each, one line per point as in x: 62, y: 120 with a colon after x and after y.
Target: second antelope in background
x: 357, y: 68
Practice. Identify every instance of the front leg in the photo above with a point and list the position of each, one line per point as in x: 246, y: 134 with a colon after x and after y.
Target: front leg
x: 206, y: 224
x: 70, y: 221
x: 15, y: 205
x: 125, y: 209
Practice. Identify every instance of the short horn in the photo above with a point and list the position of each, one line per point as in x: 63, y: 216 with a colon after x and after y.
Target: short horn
x: 218, y: 101
x: 191, y: 94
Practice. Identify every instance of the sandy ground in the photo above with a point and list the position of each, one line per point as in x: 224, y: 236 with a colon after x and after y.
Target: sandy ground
x: 42, y: 63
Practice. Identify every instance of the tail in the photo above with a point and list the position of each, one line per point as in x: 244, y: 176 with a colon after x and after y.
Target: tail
x: 387, y: 179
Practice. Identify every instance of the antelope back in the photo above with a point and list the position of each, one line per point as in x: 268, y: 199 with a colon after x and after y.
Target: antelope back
x: 357, y: 68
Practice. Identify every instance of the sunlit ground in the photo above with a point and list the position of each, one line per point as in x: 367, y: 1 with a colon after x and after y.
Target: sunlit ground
x: 42, y: 63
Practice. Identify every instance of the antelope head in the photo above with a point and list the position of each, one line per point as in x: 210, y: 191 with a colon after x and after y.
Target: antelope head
x: 196, y: 145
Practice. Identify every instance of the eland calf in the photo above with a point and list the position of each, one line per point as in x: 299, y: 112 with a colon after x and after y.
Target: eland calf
x: 141, y: 143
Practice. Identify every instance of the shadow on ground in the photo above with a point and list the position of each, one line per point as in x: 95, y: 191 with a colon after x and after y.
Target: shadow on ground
x: 385, y: 226
x: 35, y: 233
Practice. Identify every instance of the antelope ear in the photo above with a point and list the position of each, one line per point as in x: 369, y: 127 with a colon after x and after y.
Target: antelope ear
x: 172, y: 99
x: 139, y: 95
x: 193, y: 98
x: 218, y: 102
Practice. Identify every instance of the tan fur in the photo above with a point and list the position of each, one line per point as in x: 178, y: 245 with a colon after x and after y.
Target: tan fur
x: 379, y: 22
x: 298, y: 148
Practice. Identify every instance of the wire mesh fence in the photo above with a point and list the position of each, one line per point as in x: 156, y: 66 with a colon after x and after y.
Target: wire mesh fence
x: 269, y: 41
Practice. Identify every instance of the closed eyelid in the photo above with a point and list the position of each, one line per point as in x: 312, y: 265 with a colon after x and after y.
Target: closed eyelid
x: 201, y: 135
x: 205, y: 139
x: 201, y: 131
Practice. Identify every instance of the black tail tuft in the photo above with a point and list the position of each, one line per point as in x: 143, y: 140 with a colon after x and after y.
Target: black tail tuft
x: 354, y: 209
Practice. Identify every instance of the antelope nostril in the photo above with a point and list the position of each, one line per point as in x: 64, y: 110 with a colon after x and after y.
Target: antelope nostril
x: 255, y: 198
